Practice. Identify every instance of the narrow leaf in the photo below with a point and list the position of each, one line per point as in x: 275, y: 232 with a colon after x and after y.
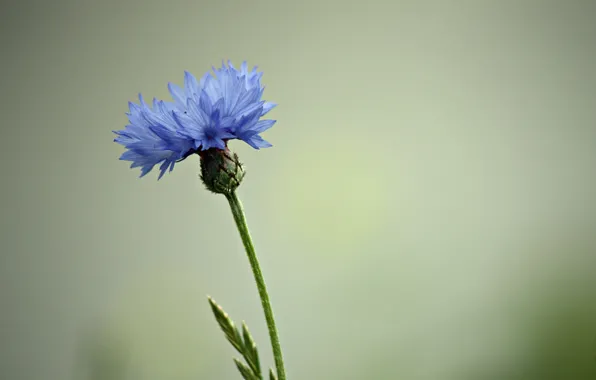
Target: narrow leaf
x: 227, y: 325
x: 272, y: 374
x: 250, y: 350
x: 245, y: 371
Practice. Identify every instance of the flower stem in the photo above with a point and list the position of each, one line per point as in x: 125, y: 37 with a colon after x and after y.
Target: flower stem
x: 240, y: 220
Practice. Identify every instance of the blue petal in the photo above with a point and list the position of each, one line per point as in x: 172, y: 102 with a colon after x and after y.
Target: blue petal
x: 263, y: 125
x: 197, y: 113
x: 146, y: 169
x: 177, y: 94
x: 268, y: 106
x: 247, y: 122
x: 212, y: 88
x: 187, y: 126
x: 191, y: 87
x: 205, y: 103
x: 246, y: 98
x: 258, y: 142
x: 251, y: 108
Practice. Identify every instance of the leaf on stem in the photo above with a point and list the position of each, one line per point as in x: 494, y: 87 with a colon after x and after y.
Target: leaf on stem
x: 243, y: 343
x: 272, y: 374
x: 227, y: 325
x: 245, y: 371
x: 250, y: 350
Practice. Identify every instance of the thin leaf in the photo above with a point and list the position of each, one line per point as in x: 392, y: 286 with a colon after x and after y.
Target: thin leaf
x: 272, y: 374
x: 244, y: 343
x: 245, y: 371
x: 251, y: 355
x: 227, y: 325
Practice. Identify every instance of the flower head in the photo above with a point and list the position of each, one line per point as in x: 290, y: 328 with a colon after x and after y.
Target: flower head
x: 222, y: 106
x: 205, y: 114
x: 151, y: 138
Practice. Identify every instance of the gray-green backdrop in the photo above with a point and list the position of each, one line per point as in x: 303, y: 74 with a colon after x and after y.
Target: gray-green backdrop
x: 428, y: 210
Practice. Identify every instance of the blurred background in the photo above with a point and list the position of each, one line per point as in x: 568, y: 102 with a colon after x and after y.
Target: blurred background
x: 428, y: 210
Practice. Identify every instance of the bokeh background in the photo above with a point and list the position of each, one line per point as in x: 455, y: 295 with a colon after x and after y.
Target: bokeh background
x: 428, y: 210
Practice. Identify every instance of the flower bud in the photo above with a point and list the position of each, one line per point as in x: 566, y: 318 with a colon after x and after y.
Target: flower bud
x: 221, y: 172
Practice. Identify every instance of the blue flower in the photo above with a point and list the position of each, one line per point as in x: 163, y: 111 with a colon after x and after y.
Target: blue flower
x: 204, y: 114
x: 223, y: 106
x: 152, y: 137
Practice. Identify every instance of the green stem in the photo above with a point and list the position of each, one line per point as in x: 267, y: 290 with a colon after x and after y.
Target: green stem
x: 240, y: 220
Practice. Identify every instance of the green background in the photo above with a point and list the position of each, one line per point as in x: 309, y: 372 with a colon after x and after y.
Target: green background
x: 428, y: 210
